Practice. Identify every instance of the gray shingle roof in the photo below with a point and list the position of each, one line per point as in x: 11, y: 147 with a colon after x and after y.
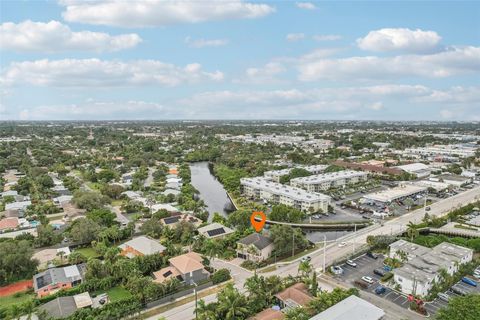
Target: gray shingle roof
x: 258, y: 240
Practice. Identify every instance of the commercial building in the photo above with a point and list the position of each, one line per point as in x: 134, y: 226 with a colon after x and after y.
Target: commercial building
x: 352, y: 307
x: 419, y: 169
x: 399, y: 193
x: 422, y: 266
x: 452, y: 179
x: 322, y: 182
x: 260, y: 188
x: 442, y: 151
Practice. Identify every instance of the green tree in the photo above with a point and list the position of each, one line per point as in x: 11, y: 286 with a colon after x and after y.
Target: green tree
x: 15, y: 261
x: 461, y: 308
x: 89, y: 200
x: 232, y: 304
x: 285, y: 213
x: 103, y: 217
x: 412, y: 231
x: 84, y: 230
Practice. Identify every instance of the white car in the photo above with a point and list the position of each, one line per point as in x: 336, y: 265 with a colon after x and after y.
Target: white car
x: 367, y: 279
x: 342, y: 244
x: 351, y: 263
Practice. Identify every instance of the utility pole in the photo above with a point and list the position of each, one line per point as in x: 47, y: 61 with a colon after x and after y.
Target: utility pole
x: 354, y: 235
x: 324, y: 251
x: 196, y: 299
x: 293, y: 244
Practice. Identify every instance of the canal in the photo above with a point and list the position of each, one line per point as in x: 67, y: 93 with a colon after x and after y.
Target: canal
x: 211, y: 190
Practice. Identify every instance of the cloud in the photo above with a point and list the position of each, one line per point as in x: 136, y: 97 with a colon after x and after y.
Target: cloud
x: 295, y: 36
x: 400, y: 39
x: 326, y: 37
x: 262, y: 75
x: 104, y: 73
x: 99, y: 110
x: 377, y: 106
x: 154, y: 13
x: 451, y: 62
x: 53, y: 36
x: 447, y: 114
x: 201, y: 43
x: 306, y: 5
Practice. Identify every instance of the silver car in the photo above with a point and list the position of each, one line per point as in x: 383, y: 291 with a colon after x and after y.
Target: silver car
x: 443, y: 296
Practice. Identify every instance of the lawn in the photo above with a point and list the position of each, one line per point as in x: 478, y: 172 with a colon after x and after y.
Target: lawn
x: 15, y: 299
x: 115, y: 293
x: 88, y: 252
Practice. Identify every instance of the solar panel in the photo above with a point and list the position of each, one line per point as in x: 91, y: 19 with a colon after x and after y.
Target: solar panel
x: 216, y: 232
x: 171, y: 220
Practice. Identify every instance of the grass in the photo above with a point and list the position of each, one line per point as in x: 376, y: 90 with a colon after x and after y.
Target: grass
x: 94, y: 185
x: 117, y: 202
x: 15, y: 299
x: 300, y: 254
x: 268, y: 269
x: 115, y: 293
x: 88, y: 252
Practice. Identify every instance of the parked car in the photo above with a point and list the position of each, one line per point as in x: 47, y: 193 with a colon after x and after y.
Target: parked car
x: 351, y: 263
x: 360, y: 284
x: 380, y: 290
x: 336, y: 269
x: 469, y: 281
x: 372, y: 255
x: 443, y: 296
x: 367, y: 279
x: 458, y: 290
x: 428, y: 208
x: 342, y: 244
x: 379, y: 272
x: 476, y: 275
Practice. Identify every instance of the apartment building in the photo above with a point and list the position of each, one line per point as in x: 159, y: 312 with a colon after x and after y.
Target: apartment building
x: 260, y: 188
x: 322, y: 182
x: 422, y: 266
x: 275, y: 175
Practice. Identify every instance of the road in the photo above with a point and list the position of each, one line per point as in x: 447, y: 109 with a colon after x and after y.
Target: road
x: 334, y: 252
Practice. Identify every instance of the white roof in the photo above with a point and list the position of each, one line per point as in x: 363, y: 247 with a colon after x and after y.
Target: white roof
x: 350, y: 308
x: 395, y: 193
x: 144, y: 245
x: 413, y: 167
x: 17, y: 205
x: 328, y: 177
x: 82, y: 300
x: 71, y: 271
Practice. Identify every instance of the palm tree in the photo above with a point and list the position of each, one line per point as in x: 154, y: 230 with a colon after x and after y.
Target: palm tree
x: 304, y: 268
x: 231, y: 304
x: 206, y: 311
x: 412, y: 231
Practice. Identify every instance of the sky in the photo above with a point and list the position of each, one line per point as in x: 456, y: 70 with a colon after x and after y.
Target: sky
x: 234, y: 59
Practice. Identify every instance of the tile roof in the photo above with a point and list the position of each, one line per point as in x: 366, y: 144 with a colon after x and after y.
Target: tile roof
x: 298, y: 293
x: 187, y: 262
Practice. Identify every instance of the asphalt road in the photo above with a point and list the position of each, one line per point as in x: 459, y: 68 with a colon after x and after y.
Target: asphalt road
x: 334, y: 252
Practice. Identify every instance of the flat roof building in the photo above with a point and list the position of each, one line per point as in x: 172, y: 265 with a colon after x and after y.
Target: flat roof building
x: 322, y: 182
x: 422, y: 268
x: 351, y: 308
x: 394, y: 194
x: 275, y: 175
x: 260, y: 188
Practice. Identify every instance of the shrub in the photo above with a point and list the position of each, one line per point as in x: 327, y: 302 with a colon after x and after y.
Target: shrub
x: 221, y: 276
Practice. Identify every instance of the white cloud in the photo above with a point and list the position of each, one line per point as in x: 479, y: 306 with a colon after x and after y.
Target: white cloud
x: 53, y: 36
x: 454, y: 61
x: 306, y: 5
x: 400, y: 39
x: 201, y: 43
x: 262, y: 75
x: 326, y: 37
x: 92, y: 109
x: 295, y: 36
x: 104, y: 73
x: 447, y: 114
x: 377, y: 106
x: 150, y: 13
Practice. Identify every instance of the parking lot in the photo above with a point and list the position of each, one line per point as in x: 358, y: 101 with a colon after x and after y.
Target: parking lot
x: 365, y: 267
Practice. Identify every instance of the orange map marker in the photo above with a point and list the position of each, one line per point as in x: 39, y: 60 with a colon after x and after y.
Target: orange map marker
x: 258, y: 225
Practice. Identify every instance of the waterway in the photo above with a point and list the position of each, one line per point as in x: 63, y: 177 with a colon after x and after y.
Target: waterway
x: 211, y: 190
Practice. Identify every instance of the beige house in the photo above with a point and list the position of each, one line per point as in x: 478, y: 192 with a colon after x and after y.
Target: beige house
x: 187, y: 267
x: 255, y: 247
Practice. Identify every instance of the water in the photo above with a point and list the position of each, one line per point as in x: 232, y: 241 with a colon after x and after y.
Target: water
x: 211, y: 190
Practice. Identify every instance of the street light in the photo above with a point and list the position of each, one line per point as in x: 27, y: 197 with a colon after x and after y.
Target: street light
x: 196, y: 299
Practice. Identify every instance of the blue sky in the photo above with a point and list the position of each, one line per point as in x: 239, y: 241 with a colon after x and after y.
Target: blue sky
x: 73, y: 59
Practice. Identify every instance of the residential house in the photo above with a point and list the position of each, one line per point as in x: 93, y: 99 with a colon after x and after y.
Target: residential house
x: 17, y: 207
x: 141, y: 246
x: 9, y: 224
x: 45, y: 256
x: 294, y: 296
x: 64, y: 307
x: 55, y: 279
x: 255, y: 247
x: 215, y: 230
x: 268, y: 314
x: 187, y: 267
x: 174, y: 220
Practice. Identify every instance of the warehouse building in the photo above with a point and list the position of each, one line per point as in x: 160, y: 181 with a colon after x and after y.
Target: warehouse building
x: 422, y: 268
x: 260, y: 188
x: 399, y: 193
x: 419, y: 169
x: 322, y: 182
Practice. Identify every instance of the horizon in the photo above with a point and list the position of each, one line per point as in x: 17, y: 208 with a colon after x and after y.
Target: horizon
x: 240, y: 59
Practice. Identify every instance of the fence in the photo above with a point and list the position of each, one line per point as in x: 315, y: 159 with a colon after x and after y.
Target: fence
x: 174, y: 296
